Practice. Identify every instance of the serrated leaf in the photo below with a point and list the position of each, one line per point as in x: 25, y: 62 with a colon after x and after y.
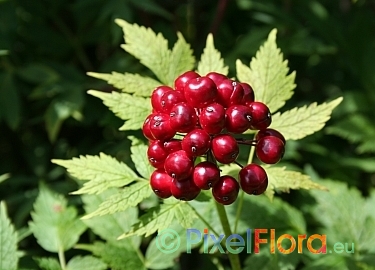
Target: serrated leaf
x: 268, y: 75
x: 54, y: 224
x: 283, y: 180
x: 128, y: 83
x: 128, y: 197
x: 181, y: 60
x: 133, y: 109
x: 86, y: 262
x: 159, y: 218
x: 153, y: 52
x: 211, y: 60
x: 8, y: 241
x: 102, y: 171
x: 118, y: 258
x: 300, y: 122
x: 139, y: 157
x: 48, y: 263
x: 185, y: 215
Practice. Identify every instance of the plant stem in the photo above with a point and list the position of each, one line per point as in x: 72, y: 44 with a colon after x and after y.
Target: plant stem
x: 203, y: 220
x: 62, y: 259
x: 233, y: 258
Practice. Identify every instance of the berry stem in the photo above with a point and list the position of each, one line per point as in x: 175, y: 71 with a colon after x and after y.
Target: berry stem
x: 247, y: 142
x: 237, y: 163
x: 233, y: 258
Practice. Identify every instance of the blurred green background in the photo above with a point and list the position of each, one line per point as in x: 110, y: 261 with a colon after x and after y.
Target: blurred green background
x: 47, y: 46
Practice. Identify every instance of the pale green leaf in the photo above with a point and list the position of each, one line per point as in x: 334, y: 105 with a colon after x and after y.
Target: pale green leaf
x: 268, y: 75
x: 181, y: 60
x: 55, y: 226
x: 48, y: 263
x: 150, y: 48
x: 133, y: 109
x: 129, y: 83
x: 117, y: 258
x: 300, y: 122
x: 86, y: 263
x: 4, y: 177
x: 185, y: 215
x: 343, y: 205
x: 283, y: 180
x: 139, y: 156
x: 211, y: 60
x: 159, y: 218
x: 3, y: 52
x: 8, y: 241
x: 102, y: 172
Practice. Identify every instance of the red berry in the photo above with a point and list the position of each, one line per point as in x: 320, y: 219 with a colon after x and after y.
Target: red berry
x: 160, y: 127
x: 179, y: 83
x: 238, y: 118
x: 172, y: 146
x: 196, y: 142
x: 160, y: 183
x: 206, y: 174
x: 229, y: 93
x: 200, y: 92
x: 269, y: 132
x: 270, y: 149
x: 156, y: 154
x: 212, y: 118
x: 185, y: 190
x: 156, y: 97
x: 146, y: 128
x: 216, y: 77
x: 225, y: 191
x: 253, y: 179
x: 225, y: 148
x: 248, y: 96
x: 261, y: 115
x: 183, y: 117
x: 171, y: 98
x: 179, y: 165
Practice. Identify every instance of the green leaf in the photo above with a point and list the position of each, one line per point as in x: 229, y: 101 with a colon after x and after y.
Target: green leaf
x: 127, y: 107
x: 128, y: 83
x: 48, y: 263
x: 268, y: 75
x: 139, y: 157
x: 152, y: 50
x: 4, y: 177
x: 111, y: 226
x: 102, y: 171
x: 119, y: 258
x: 211, y: 60
x: 129, y: 196
x: 86, y: 262
x: 3, y: 52
x: 300, y: 122
x: 159, y: 218
x: 283, y: 180
x: 8, y: 241
x: 343, y: 205
x: 54, y: 225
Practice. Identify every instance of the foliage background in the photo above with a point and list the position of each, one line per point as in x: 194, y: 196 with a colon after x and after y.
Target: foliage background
x: 46, y: 47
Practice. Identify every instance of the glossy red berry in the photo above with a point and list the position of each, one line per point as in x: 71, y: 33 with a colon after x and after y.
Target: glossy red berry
x: 156, y: 97
x: 229, y: 93
x: 225, y: 191
x: 248, y: 96
x: 179, y: 165
x: 269, y: 132
x: 160, y: 127
x: 212, y: 118
x: 171, y: 98
x: 156, y: 154
x: 172, y: 146
x: 183, y: 117
x: 160, y: 183
x: 146, y: 128
x: 185, y: 191
x: 216, y: 77
x: 206, y: 174
x: 253, y: 179
x: 200, y: 92
x: 261, y: 115
x: 238, y: 118
x: 196, y: 142
x: 224, y: 148
x: 270, y: 149
x: 179, y: 83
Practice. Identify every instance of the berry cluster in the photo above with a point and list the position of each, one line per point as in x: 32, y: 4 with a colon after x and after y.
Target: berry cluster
x: 205, y: 111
